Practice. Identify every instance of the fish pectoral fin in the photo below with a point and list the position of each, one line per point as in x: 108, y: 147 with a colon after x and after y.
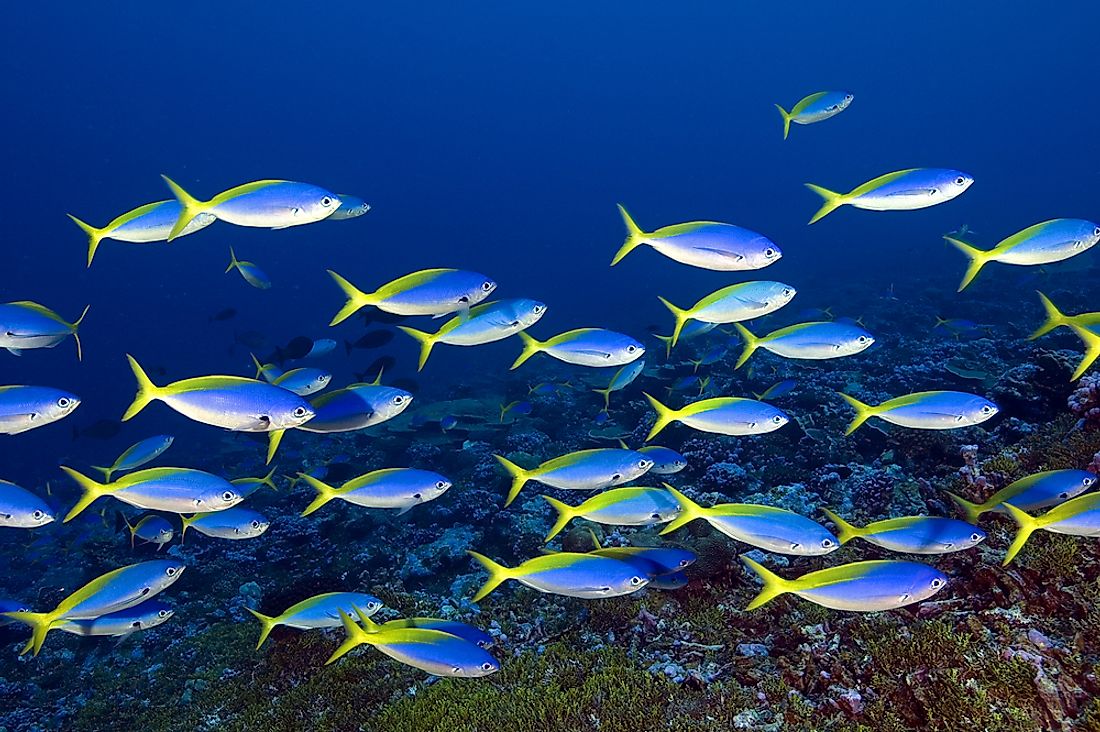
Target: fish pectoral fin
x: 735, y: 256
x: 15, y: 351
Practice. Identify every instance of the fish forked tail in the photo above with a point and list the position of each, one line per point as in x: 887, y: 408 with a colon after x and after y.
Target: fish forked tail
x: 40, y: 623
x: 425, y: 340
x: 978, y: 258
x: 689, y: 511
x: 530, y: 348
x: 357, y: 634
x: 845, y: 532
x: 267, y: 624
x: 107, y: 472
x: 92, y: 491
x: 190, y: 207
x: 74, y: 328
x: 833, y: 201
x: 682, y: 317
x: 325, y: 492
x: 565, y: 515
x: 863, y: 412
x: 147, y: 391
x: 606, y: 394
x: 786, y: 122
x: 1027, y: 525
x: 274, y: 438
x: 498, y: 574
x: 356, y: 299
x: 751, y: 344
x: 1055, y: 318
x: 973, y: 511
x: 667, y: 340
x: 519, y: 477
x: 95, y: 236
x: 186, y: 524
x: 1092, y: 350
x: 635, y: 237
x: 774, y: 585
x: 665, y: 416
x: 234, y: 263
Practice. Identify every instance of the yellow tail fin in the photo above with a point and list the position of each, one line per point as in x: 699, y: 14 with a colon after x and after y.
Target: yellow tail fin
x: 356, y: 299
x: 751, y: 344
x: 1055, y: 318
x: 665, y: 416
x: 498, y: 574
x: 786, y: 122
x: 530, y: 348
x: 635, y: 237
x: 973, y: 511
x: 267, y: 624
x: 845, y: 532
x: 682, y: 317
x: 606, y: 394
x: 833, y: 201
x: 233, y: 263
x: 356, y: 635
x: 565, y: 515
x: 274, y: 437
x: 190, y: 207
x: 75, y: 325
x: 325, y: 493
x: 1028, y: 524
x: 667, y: 340
x: 41, y: 624
x: 689, y: 511
x: 978, y: 259
x: 519, y: 478
x: 107, y: 472
x: 146, y: 393
x: 426, y: 341
x: 863, y: 412
x: 92, y: 491
x: 1092, y: 350
x: 95, y: 236
x: 774, y: 585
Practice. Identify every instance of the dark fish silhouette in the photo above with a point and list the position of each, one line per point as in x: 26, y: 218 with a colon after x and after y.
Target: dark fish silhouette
x: 372, y: 339
x: 104, y: 429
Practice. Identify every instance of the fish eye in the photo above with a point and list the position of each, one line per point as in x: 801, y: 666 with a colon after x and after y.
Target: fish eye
x: 769, y: 252
x: 862, y: 339
x: 299, y: 412
x: 826, y: 543
x: 487, y: 285
x: 162, y: 614
x: 643, y: 464
x: 171, y: 571
x: 441, y: 484
x: 326, y: 201
x: 539, y: 308
x: 635, y: 580
x: 937, y: 583
x: 960, y: 180
x: 37, y: 515
x: 975, y: 536
x: 1096, y: 231
x: 255, y: 524
x: 631, y: 349
x: 1088, y: 481
x: 986, y: 409
x: 228, y: 496
x: 63, y: 402
x: 848, y: 97
x: 777, y: 419
x: 787, y: 291
x: 486, y: 666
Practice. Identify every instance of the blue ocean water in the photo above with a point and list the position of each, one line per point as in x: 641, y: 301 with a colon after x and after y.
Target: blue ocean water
x: 498, y: 137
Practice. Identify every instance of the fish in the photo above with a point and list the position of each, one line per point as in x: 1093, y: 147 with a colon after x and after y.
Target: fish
x: 230, y: 402
x: 583, y: 347
x: 400, y: 488
x: 570, y: 574
x: 549, y: 389
x: 21, y: 509
x: 434, y: 292
x: 653, y: 561
x: 319, y: 611
x: 1042, y: 243
x: 301, y: 381
x: 623, y: 378
x: 101, y: 429
x: 450, y: 421
x: 174, y: 490
x: 247, y: 486
x: 666, y: 461
x: 119, y: 589
x: 356, y: 407
x: 743, y: 301
x: 465, y: 631
x: 252, y: 274
x: 485, y: 323
x: 351, y: 207
x: 765, y: 527
x: 720, y: 415
x: 148, y: 614
x: 872, y: 586
x: 151, y: 529
x: 691, y: 329
x: 584, y: 470
x: 925, y: 410
x: 1085, y: 325
x: 961, y: 327
x: 372, y: 339
x: 321, y: 347
x: 148, y: 223
x: 815, y: 107
x: 912, y: 534
x: 711, y: 356
x: 267, y: 204
x: 26, y: 325
x: 434, y: 651
x: 1078, y: 516
x: 24, y: 408
x: 223, y: 315
x: 811, y: 341
x: 704, y: 244
x: 232, y: 523
x: 668, y: 582
x: 520, y: 406
x: 137, y: 455
x: 1030, y: 493
x: 778, y: 389
x: 904, y: 190
x: 633, y: 506
x: 298, y: 347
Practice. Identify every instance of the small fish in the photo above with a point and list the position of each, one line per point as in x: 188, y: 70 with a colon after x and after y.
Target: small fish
x: 860, y: 586
x: 925, y: 410
x: 961, y: 327
x: 173, y: 490
x: 692, y: 329
x: 434, y: 292
x: 743, y: 301
x: 1039, y: 490
x: 691, y: 381
x: 765, y: 527
x: 811, y: 341
x: 1043, y: 243
x: 117, y: 590
x: 434, y: 651
x: 232, y: 523
x: 666, y: 461
x: 584, y: 347
x: 584, y: 470
x: 302, y: 381
x: 24, y: 408
x: 319, y: 611
x: 351, y: 207
x: 1076, y: 517
x: 372, y: 339
x: 486, y: 323
x: 152, y: 529
x: 137, y: 455
x: 321, y: 347
x: 778, y: 389
x: 148, y: 223
x: 653, y: 561
x: 148, y: 614
x: 704, y: 244
x: 465, y: 631
x: 904, y: 190
x: 669, y: 582
x: 623, y: 378
x: 356, y: 407
x: 721, y: 415
x: 26, y: 325
x: 711, y: 356
x: 298, y: 347
x: 400, y: 488
x: 223, y: 315
x: 517, y: 407
x: 267, y: 204
x: 565, y: 573
x: 450, y: 422
x: 1085, y: 325
x: 102, y: 429
x: 618, y: 507
x: 816, y: 107
x: 252, y: 274
x: 21, y: 509
x: 912, y: 534
x: 230, y: 402
x: 549, y: 389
